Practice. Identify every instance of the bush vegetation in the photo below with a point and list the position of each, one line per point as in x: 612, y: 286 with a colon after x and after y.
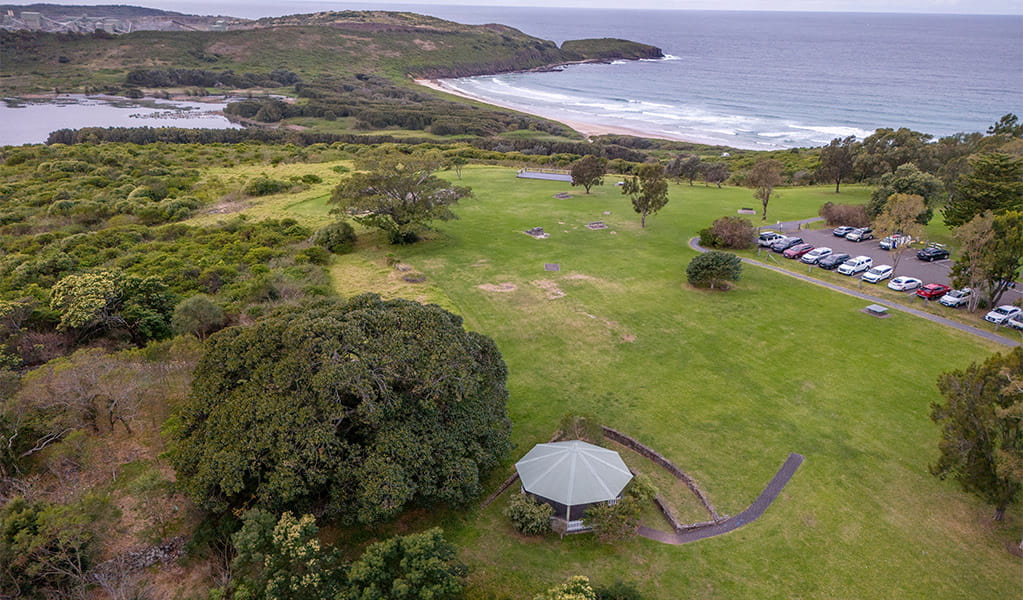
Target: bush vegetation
x: 528, y: 515
x: 735, y: 233
x: 713, y: 269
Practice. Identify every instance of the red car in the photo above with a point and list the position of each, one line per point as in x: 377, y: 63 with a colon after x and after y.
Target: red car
x: 797, y: 251
x: 932, y: 291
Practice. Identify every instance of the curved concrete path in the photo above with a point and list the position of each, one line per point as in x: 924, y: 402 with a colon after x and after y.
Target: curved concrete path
x: 766, y: 497
x: 993, y: 337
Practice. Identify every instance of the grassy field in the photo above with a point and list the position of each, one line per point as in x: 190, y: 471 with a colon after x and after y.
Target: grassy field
x: 726, y: 385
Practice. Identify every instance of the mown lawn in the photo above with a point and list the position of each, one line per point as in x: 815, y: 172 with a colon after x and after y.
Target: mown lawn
x: 726, y: 385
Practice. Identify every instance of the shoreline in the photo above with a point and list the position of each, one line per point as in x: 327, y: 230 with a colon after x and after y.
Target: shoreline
x: 587, y: 129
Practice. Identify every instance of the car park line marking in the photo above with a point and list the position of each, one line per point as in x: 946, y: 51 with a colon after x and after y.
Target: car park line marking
x: 694, y: 244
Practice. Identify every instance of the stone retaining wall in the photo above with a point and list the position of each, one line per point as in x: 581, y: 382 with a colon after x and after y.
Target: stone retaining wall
x: 678, y: 473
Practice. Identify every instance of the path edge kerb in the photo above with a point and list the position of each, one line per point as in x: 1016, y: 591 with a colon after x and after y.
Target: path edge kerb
x: 694, y: 243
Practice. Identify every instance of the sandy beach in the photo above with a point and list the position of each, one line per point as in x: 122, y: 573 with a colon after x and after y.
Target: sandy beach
x: 587, y: 129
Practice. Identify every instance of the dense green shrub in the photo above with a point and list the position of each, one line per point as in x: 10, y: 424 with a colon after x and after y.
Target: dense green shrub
x: 735, y: 233
x: 528, y: 515
x: 417, y: 566
x: 713, y: 269
x: 338, y: 237
x: 198, y: 316
x: 265, y: 186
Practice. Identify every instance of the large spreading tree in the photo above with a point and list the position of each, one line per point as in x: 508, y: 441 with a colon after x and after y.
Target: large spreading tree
x: 357, y: 408
x: 838, y: 160
x: 906, y: 179
x: 398, y: 193
x: 589, y: 171
x: 982, y: 429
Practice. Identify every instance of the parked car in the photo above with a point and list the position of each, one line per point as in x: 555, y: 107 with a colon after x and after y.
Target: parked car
x: 856, y: 265
x: 815, y: 255
x: 785, y: 243
x: 932, y: 291
x: 878, y: 273
x: 1015, y: 321
x: 766, y: 238
x: 1002, y: 314
x: 894, y: 241
x: 858, y: 235
x: 797, y: 251
x: 833, y: 261
x: 956, y: 298
x: 841, y: 231
x: 904, y: 284
x: 932, y: 253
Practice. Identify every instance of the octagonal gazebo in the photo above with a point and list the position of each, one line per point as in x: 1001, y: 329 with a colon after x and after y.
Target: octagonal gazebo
x: 572, y: 476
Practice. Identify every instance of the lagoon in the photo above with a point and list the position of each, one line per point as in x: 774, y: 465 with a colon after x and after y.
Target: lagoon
x: 30, y: 121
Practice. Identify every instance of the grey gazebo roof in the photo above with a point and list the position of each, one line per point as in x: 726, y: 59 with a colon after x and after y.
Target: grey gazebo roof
x: 573, y: 473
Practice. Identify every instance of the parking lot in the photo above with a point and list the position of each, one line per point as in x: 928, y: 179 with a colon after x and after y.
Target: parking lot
x: 909, y: 265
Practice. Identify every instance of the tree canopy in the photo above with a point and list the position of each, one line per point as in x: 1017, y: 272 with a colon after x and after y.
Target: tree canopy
x: 763, y: 178
x: 589, y: 171
x: 713, y: 269
x: 981, y: 418
x: 838, y: 160
x: 901, y: 215
x: 906, y: 179
x: 398, y: 193
x: 418, y: 566
x: 992, y: 254
x: 684, y: 166
x: 361, y: 408
x: 648, y: 190
x: 995, y: 183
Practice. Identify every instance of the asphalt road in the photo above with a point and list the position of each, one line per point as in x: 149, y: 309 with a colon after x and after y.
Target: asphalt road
x: 909, y: 265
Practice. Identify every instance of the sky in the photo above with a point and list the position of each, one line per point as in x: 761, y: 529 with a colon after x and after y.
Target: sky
x: 1009, y: 7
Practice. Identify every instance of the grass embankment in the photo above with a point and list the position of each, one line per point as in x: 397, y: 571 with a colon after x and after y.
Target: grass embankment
x: 726, y: 385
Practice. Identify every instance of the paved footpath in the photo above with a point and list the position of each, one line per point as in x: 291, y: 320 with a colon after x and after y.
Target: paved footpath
x: 777, y: 484
x: 990, y: 336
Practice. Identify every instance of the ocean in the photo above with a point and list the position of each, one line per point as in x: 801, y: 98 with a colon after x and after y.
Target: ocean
x: 760, y: 80
x: 772, y: 80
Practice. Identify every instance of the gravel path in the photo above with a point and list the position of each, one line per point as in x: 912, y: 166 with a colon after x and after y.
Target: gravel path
x: 994, y: 337
x: 755, y: 510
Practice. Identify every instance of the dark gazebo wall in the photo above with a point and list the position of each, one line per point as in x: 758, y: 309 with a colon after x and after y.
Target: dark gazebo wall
x: 560, y: 510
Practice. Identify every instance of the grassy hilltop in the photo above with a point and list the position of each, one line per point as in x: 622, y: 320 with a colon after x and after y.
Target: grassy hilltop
x: 329, y: 43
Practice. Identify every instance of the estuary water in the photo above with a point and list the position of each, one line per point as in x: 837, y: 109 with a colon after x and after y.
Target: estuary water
x: 30, y: 121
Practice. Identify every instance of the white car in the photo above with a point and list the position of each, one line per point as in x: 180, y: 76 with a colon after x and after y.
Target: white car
x: 904, y: 284
x: 956, y: 298
x: 816, y: 254
x: 856, y: 265
x: 766, y: 238
x: 878, y: 273
x: 1002, y: 314
x: 1016, y: 321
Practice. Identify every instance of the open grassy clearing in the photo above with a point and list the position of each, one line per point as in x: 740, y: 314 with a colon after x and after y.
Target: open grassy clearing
x: 724, y: 385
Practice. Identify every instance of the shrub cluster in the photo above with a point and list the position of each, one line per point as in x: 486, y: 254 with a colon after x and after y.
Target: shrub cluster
x: 853, y: 215
x: 529, y: 516
x: 338, y: 237
x: 735, y: 233
x: 713, y: 269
